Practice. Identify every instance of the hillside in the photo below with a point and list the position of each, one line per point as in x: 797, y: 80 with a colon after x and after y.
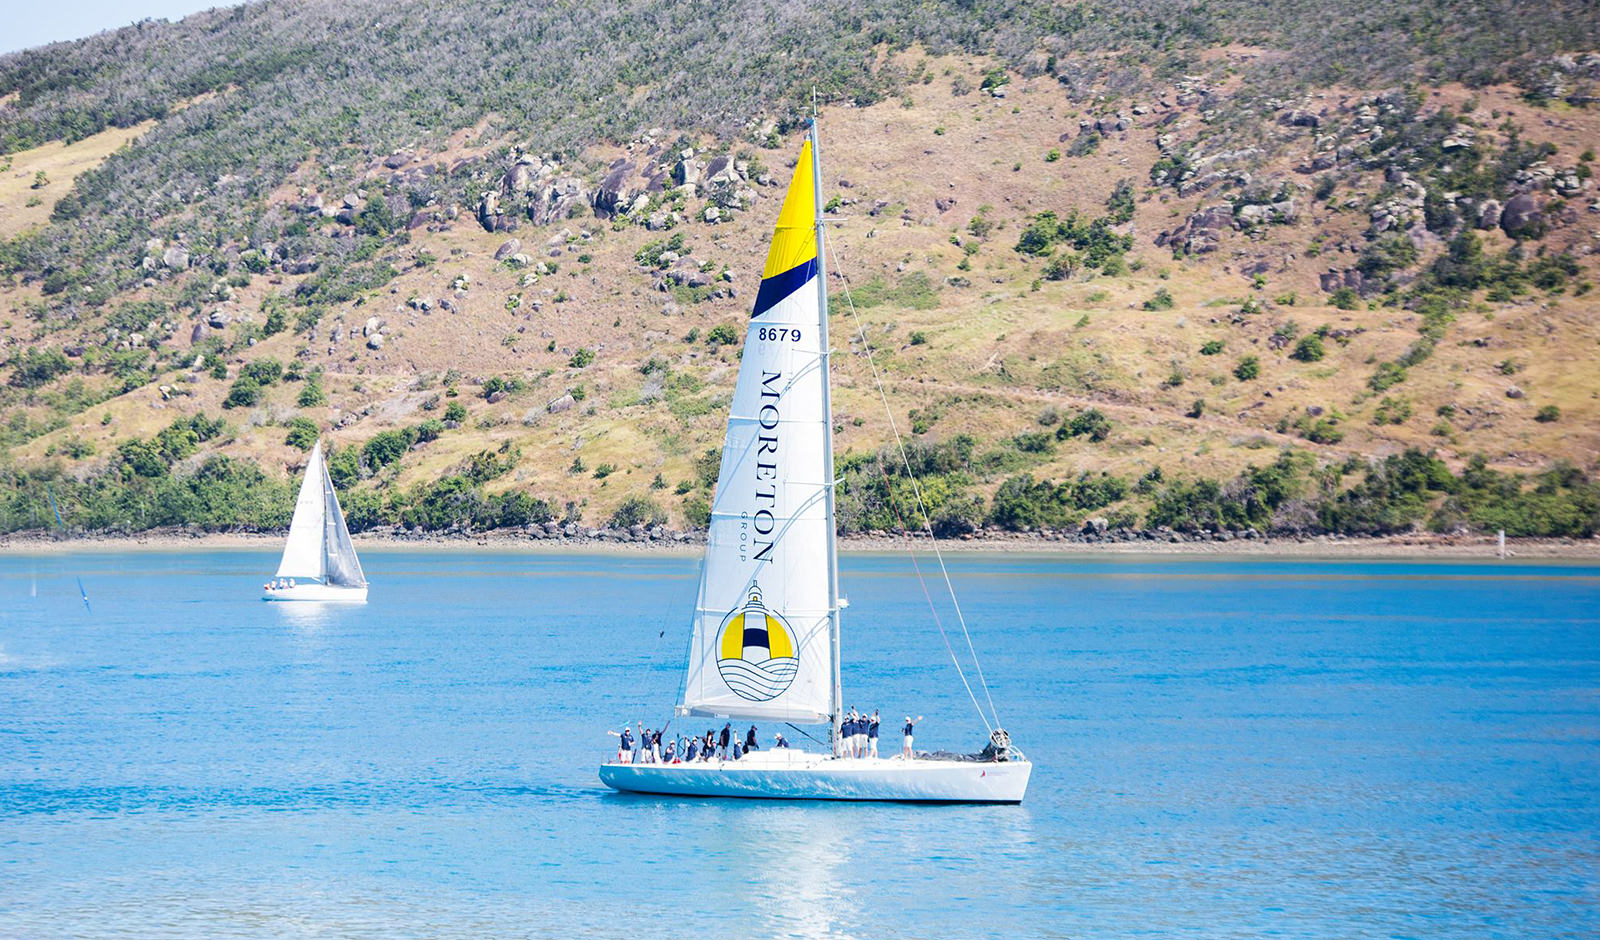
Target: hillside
x: 1218, y: 273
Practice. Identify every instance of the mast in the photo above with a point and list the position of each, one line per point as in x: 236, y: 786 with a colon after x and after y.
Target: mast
x: 837, y: 701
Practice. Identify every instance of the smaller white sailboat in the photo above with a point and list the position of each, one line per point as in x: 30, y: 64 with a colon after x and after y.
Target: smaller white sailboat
x: 319, y: 562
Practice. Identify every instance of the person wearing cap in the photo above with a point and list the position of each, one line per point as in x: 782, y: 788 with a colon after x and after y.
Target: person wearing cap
x: 872, y: 735
x: 909, y: 728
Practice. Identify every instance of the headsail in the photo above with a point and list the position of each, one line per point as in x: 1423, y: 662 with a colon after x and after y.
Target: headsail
x: 303, y: 553
x: 762, y: 645
x: 340, y: 563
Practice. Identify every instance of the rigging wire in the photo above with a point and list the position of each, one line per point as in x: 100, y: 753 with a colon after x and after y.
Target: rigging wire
x: 927, y: 524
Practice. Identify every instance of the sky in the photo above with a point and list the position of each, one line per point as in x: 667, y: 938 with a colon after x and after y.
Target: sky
x: 28, y: 23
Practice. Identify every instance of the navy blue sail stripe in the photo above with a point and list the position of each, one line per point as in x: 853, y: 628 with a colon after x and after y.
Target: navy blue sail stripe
x: 779, y: 286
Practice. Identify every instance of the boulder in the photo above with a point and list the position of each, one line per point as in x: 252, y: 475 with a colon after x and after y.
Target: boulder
x: 198, y: 333
x: 1330, y: 281
x: 1514, y: 392
x: 1488, y: 215
x: 1521, y: 216
x: 508, y: 248
x: 557, y: 201
x: 611, y: 196
x: 218, y: 319
x: 564, y: 403
x: 1201, y: 232
x: 521, y: 178
x: 375, y: 341
x: 176, y: 257
x: 490, y: 215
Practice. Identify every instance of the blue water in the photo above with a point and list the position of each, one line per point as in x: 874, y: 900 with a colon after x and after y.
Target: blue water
x: 1223, y: 749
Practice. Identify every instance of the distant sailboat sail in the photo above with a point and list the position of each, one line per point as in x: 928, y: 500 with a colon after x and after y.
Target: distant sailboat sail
x: 762, y: 646
x: 319, y: 547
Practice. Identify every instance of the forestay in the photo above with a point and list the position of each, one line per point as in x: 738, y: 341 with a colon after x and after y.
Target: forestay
x: 762, y: 646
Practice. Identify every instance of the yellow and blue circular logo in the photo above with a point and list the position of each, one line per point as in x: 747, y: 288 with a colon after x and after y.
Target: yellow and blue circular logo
x: 757, y: 656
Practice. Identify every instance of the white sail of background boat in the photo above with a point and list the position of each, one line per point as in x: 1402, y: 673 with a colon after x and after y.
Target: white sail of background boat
x: 766, y: 624
x: 318, y: 557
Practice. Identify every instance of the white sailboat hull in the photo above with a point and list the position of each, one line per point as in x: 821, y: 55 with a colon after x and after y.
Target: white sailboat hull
x: 796, y: 775
x: 318, y: 592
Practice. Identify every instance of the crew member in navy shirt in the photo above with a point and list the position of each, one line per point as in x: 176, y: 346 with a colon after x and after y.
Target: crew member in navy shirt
x: 910, y: 726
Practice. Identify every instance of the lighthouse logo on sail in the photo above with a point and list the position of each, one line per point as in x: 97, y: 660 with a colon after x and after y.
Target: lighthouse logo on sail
x: 757, y: 660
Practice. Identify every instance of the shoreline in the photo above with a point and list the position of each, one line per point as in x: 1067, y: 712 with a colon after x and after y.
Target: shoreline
x: 1412, y: 546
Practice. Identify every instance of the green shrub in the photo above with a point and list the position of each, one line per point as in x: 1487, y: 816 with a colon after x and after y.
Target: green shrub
x: 387, y: 447
x: 638, y: 510
x: 1387, y: 376
x: 1091, y: 423
x: 36, y: 367
x: 1249, y: 368
x: 263, y: 371
x: 1392, y: 411
x: 303, y: 433
x: 1161, y: 300
x: 1345, y: 299
x: 311, y: 393
x: 1548, y: 414
x: 1212, y: 347
x: 582, y: 358
x: 455, y: 412
x: 697, y: 512
x: 244, y: 393
x: 723, y: 334
x: 1309, y: 349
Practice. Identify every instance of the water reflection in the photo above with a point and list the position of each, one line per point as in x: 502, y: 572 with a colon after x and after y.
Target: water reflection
x: 797, y: 863
x: 305, y: 615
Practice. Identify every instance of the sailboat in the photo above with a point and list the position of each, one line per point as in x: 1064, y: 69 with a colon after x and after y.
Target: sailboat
x: 319, y: 562
x: 765, y: 644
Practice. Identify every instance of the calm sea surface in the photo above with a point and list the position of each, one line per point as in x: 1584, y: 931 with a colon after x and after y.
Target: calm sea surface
x: 1222, y: 749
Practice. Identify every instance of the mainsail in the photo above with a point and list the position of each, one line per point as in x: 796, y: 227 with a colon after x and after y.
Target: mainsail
x: 762, y: 646
x: 319, y: 547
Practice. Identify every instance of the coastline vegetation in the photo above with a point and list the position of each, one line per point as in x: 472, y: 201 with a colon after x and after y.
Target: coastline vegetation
x: 164, y: 481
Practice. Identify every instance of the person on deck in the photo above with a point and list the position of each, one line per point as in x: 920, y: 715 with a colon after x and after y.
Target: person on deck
x: 911, y: 724
x: 655, y: 747
x: 872, y: 734
x: 670, y: 755
x: 750, y: 740
x: 780, y: 740
x: 861, y: 734
x: 723, y: 739
x: 693, y: 751
x: 624, y: 745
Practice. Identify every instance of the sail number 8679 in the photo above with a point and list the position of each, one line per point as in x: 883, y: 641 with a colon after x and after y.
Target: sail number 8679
x: 778, y: 334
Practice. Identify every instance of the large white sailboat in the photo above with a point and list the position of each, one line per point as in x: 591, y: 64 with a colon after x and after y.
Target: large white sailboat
x: 766, y: 623
x: 319, y: 563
